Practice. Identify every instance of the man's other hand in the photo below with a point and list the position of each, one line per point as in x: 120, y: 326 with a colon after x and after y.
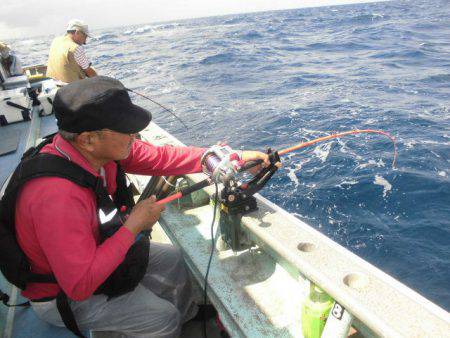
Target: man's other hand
x: 144, y: 215
x: 90, y: 72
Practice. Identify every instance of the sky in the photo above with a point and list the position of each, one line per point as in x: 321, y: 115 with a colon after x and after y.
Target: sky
x: 28, y: 18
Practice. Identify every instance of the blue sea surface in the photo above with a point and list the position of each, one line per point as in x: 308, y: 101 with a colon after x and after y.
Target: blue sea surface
x: 282, y: 77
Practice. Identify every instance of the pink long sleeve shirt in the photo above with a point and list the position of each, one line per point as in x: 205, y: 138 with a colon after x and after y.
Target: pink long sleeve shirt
x: 56, y: 220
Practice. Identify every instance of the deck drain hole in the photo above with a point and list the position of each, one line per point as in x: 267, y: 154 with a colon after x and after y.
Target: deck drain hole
x: 306, y: 247
x: 356, y: 281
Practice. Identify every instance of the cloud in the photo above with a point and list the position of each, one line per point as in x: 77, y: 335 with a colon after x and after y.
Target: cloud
x: 15, y: 14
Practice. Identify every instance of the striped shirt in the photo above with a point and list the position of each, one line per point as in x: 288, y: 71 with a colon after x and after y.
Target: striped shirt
x: 81, y: 58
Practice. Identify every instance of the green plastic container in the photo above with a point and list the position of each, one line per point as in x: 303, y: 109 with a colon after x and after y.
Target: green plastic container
x: 315, y: 312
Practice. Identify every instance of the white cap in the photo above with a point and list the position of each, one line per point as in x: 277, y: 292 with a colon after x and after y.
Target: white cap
x: 78, y: 25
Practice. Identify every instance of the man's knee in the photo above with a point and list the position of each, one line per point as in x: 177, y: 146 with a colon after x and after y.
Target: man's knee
x: 170, y: 323
x: 172, y: 255
x: 165, y: 322
x: 177, y: 255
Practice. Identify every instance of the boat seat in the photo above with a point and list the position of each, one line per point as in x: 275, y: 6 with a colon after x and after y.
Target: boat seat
x: 27, y: 324
x: 15, y: 82
x: 10, y: 142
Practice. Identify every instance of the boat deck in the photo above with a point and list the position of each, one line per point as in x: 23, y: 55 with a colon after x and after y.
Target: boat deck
x: 9, y: 134
x: 22, y: 131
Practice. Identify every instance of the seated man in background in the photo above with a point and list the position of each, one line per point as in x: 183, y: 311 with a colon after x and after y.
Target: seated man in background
x: 67, y: 61
x: 60, y: 224
x: 10, y: 62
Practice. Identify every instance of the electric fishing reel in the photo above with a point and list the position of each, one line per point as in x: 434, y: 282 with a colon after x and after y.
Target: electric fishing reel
x: 222, y: 165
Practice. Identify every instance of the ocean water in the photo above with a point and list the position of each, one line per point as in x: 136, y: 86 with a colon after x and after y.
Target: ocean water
x: 279, y: 78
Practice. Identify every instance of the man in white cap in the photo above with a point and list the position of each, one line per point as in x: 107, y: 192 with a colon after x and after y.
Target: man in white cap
x: 67, y: 61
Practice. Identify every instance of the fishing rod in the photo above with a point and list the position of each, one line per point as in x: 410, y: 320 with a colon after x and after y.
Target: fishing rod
x: 221, y: 165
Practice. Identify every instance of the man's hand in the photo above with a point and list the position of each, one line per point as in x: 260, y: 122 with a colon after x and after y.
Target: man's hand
x: 248, y: 155
x: 144, y: 215
x: 90, y: 72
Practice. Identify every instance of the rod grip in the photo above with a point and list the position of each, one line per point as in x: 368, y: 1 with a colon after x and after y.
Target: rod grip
x: 170, y: 198
x: 185, y: 191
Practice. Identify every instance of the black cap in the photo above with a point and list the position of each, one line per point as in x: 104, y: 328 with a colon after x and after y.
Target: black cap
x: 98, y: 103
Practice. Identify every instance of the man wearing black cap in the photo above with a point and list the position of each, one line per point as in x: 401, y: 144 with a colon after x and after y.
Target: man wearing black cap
x: 60, y: 225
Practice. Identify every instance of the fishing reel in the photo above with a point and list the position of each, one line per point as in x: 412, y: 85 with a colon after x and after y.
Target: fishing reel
x: 222, y: 165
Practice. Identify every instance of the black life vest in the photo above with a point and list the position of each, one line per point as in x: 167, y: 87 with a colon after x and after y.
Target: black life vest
x: 14, y: 263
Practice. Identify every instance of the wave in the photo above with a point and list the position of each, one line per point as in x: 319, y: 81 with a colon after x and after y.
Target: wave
x: 323, y: 151
x: 218, y: 58
x: 379, y: 180
x: 298, y: 82
x: 366, y: 18
x: 26, y: 42
x: 343, y: 46
x: 291, y: 48
x: 140, y: 30
x: 438, y: 78
x: 104, y: 37
x: 251, y: 35
x: 234, y: 20
x: 166, y: 26
x: 403, y: 54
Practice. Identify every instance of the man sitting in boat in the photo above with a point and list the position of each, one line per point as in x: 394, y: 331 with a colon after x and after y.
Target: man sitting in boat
x: 10, y: 62
x: 67, y: 60
x: 70, y: 231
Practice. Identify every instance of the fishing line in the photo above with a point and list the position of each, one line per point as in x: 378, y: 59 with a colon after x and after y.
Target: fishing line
x: 213, y: 244
x: 159, y: 104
